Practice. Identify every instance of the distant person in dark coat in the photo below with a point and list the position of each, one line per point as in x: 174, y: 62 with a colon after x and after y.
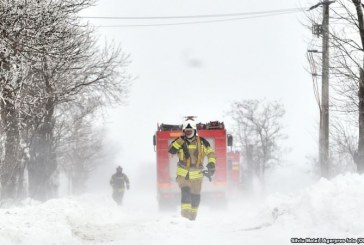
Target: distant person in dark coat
x: 119, y: 181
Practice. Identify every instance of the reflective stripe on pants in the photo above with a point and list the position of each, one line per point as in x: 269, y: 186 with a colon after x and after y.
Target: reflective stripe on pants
x: 194, y: 173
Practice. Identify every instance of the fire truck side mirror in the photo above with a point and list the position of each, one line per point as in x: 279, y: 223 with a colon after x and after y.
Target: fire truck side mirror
x: 154, y: 140
x: 229, y: 140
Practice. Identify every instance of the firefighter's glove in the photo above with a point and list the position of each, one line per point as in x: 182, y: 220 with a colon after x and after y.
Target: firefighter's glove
x: 211, y: 168
x: 206, y: 174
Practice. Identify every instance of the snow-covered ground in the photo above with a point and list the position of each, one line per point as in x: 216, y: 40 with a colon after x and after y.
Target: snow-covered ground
x: 328, y: 209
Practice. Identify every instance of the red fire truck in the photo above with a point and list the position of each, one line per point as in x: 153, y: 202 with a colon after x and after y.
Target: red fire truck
x: 234, y: 168
x: 168, y: 193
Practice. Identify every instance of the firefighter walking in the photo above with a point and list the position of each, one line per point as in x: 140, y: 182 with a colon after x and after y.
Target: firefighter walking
x: 191, y: 150
x: 119, y: 181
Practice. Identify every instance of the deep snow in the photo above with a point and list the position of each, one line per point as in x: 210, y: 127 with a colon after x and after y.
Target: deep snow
x: 327, y: 209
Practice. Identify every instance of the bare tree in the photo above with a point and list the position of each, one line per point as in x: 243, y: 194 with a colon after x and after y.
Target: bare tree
x: 347, y: 76
x: 258, y: 129
x: 12, y: 72
x: 49, y: 59
x: 343, y: 146
x: 87, y: 78
x: 79, y: 146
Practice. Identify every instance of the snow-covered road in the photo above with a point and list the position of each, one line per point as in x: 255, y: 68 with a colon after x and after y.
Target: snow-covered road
x: 324, y: 210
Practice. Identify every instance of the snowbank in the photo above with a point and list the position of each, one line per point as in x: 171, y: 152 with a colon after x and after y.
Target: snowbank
x: 328, y: 209
x: 55, y: 221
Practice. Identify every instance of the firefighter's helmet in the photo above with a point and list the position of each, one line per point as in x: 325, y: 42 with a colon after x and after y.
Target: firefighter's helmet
x: 119, y: 169
x: 189, y: 128
x: 188, y: 124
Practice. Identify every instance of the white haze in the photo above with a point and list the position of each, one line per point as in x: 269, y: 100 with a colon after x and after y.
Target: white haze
x: 199, y: 70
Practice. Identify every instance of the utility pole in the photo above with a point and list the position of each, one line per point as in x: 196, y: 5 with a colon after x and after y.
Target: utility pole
x: 324, y: 108
x: 324, y: 117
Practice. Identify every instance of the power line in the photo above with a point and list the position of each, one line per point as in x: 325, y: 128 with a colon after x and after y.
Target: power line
x: 193, y: 16
x: 201, y: 22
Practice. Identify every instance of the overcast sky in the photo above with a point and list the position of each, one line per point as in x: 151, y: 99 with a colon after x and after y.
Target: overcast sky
x: 200, y: 69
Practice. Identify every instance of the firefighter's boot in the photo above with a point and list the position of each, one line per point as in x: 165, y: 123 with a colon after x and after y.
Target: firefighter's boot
x: 185, y: 202
x: 186, y: 210
x: 193, y: 214
x: 195, y: 202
